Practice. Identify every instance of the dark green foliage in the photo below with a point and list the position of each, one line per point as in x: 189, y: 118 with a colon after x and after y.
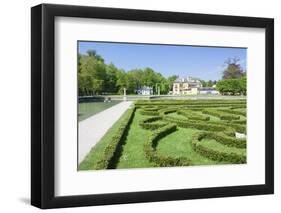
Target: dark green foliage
x: 191, y: 115
x: 159, y: 159
x: 233, y: 112
x: 232, y: 86
x: 199, y: 125
x: 240, y: 122
x: 148, y: 112
x: 215, y: 154
x: 151, y: 124
x: 238, y: 127
x: 224, y: 139
x: 97, y: 77
x: 221, y: 115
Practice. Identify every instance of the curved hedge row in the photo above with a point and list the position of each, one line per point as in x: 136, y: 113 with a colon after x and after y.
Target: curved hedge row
x: 184, y: 123
x: 150, y: 108
x: 164, y: 112
x: 221, y: 115
x: 225, y: 140
x: 238, y: 107
x: 148, y: 112
x: 222, y: 131
x: 244, y: 121
x: 157, y: 158
x: 214, y: 154
x: 193, y: 115
x: 151, y: 124
x: 110, y: 149
x: 233, y: 112
x: 238, y: 127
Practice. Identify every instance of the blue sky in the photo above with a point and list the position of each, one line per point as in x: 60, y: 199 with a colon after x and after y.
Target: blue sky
x: 205, y: 63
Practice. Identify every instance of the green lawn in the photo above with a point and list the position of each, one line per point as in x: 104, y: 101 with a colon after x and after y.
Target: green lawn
x: 133, y: 155
x: 175, y: 145
x: 178, y: 144
x: 91, y: 108
x: 214, y: 145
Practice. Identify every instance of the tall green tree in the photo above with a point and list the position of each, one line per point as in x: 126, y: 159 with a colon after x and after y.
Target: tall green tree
x: 232, y: 86
x: 111, y: 78
x: 92, y: 75
x: 243, y: 85
x: 94, y: 54
x: 204, y: 83
x: 210, y: 83
x: 122, y: 81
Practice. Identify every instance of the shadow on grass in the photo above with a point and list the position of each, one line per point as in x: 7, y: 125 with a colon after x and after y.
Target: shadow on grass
x: 119, y: 149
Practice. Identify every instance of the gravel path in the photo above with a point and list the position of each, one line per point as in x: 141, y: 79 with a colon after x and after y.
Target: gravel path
x: 92, y: 129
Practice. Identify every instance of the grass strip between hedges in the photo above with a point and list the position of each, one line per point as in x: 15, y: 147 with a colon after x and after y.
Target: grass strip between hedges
x: 215, y: 154
x: 221, y: 115
x: 152, y: 123
x: 157, y: 158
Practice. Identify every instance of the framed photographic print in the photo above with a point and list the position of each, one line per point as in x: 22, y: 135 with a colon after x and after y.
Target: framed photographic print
x: 140, y: 106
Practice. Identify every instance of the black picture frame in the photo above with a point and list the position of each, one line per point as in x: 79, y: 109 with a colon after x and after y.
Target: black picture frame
x: 43, y: 102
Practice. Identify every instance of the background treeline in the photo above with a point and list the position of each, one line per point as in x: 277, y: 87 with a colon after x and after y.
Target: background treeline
x: 95, y: 77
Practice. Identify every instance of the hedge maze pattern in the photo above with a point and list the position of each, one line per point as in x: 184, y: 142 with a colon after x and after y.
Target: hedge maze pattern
x: 215, y: 121
x: 229, y: 117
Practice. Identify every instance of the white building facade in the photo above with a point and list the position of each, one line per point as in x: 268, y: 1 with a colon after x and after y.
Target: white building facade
x: 186, y: 86
x: 145, y: 90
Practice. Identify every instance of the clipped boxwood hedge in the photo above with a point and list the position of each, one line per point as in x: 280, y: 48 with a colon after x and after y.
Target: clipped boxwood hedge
x: 233, y: 112
x: 148, y: 112
x: 225, y: 140
x: 237, y: 125
x: 193, y: 115
x: 164, y: 112
x: 243, y: 121
x: 214, y: 154
x: 221, y: 115
x: 200, y: 125
x: 110, y: 150
x: 161, y: 160
x: 151, y: 123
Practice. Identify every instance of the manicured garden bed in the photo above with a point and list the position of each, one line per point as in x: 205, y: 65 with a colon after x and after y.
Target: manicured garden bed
x: 173, y: 133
